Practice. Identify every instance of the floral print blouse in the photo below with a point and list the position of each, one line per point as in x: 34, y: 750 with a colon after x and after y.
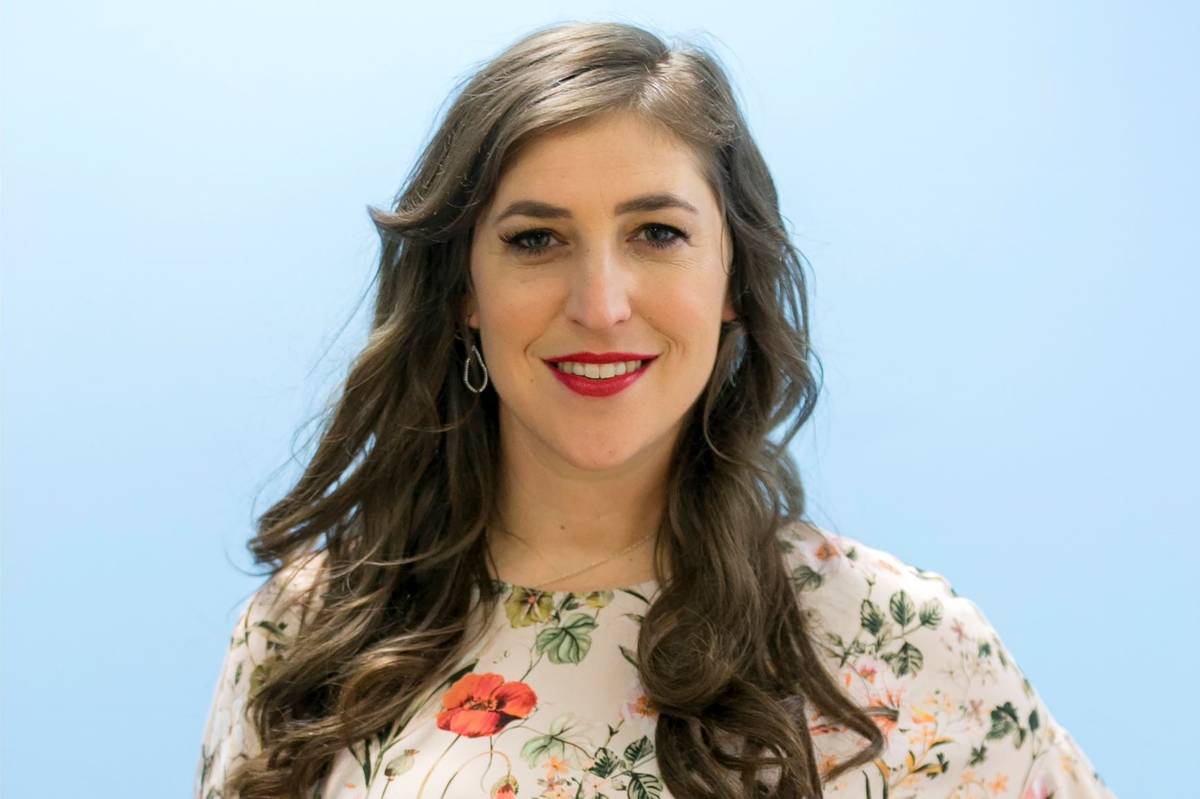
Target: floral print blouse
x: 549, y: 703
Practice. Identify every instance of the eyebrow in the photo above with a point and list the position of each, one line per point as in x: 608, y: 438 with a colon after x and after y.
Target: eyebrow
x: 645, y: 202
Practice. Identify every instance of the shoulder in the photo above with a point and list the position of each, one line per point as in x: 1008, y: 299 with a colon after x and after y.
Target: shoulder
x: 292, y: 592
x: 266, y: 625
x: 269, y: 621
x: 965, y: 719
x: 272, y: 617
x: 853, y: 583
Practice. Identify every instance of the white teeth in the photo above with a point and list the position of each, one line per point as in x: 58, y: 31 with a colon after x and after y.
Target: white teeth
x: 598, y: 371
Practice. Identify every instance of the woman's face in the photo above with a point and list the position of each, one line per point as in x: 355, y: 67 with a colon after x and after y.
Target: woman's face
x: 560, y: 267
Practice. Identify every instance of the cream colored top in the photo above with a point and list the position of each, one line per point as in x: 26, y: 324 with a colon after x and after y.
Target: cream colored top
x: 549, y: 703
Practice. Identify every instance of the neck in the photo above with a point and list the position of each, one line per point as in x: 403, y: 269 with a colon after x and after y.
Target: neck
x: 553, y: 520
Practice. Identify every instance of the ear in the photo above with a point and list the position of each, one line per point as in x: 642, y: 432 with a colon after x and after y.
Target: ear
x: 727, y: 312
x: 470, y: 311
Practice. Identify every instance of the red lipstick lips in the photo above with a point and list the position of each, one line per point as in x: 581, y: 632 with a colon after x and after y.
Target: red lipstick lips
x: 605, y: 387
x: 603, y: 357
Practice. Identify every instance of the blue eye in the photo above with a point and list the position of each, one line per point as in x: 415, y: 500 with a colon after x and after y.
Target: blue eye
x: 519, y: 242
x: 662, y: 244
x: 524, y: 235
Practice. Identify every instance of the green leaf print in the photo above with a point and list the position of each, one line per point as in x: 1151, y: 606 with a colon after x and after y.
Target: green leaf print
x: 639, y: 749
x: 257, y: 678
x: 537, y: 749
x: 636, y: 594
x: 1006, y: 722
x: 807, y: 579
x: 931, y: 614
x: 206, y: 761
x: 902, y: 608
x: 872, y: 617
x: 568, y: 643
x: 381, y: 737
x: 906, y: 660
x: 276, y: 629
x: 275, y: 641
x: 978, y: 755
x: 604, y: 764
x: 643, y: 786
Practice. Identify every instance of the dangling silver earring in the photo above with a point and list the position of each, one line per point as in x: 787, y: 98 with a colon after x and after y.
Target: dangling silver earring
x: 467, y: 371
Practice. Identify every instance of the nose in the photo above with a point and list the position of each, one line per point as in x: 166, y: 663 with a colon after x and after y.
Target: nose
x: 600, y: 285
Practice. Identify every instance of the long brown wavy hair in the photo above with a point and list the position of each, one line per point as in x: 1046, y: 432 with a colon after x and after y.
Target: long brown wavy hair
x: 403, y: 483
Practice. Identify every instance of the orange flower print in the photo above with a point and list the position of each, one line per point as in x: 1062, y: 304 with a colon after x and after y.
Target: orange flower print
x: 482, y: 704
x: 641, y: 706
x: 887, y: 565
x: 921, y: 716
x: 891, y: 700
x: 826, y: 551
x: 998, y: 784
x: 637, y: 706
x: 819, y: 724
x: 863, y: 673
x: 867, y: 673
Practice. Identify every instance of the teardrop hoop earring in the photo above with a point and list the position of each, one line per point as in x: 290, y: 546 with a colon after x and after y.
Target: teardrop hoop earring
x: 467, y: 371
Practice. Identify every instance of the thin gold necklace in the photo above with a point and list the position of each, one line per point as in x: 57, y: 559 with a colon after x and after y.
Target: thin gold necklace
x: 541, y: 586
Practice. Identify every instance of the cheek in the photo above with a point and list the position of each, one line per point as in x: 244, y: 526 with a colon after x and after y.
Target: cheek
x: 690, y: 309
x: 500, y: 304
x: 514, y: 321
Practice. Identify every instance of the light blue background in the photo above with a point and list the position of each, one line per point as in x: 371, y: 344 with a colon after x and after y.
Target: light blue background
x: 998, y: 201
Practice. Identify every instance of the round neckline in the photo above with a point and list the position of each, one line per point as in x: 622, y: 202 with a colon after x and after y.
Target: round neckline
x: 645, y: 588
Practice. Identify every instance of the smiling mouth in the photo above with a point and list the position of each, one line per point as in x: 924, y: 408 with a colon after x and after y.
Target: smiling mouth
x: 598, y: 380
x: 600, y: 371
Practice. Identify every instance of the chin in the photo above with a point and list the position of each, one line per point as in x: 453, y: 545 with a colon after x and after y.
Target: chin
x: 597, y: 461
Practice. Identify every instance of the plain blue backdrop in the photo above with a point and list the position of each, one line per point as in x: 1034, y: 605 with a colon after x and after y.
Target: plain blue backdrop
x: 998, y: 201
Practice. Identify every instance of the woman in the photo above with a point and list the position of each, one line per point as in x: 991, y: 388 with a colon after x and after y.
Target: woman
x: 545, y: 546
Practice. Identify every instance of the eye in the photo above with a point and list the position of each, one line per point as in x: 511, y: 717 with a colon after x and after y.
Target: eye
x: 514, y: 241
x: 677, y: 236
x: 522, y: 242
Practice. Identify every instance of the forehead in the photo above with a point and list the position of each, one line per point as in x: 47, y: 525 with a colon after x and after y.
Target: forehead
x: 598, y: 163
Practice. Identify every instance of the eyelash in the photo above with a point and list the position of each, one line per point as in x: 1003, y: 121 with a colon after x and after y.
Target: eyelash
x: 511, y: 240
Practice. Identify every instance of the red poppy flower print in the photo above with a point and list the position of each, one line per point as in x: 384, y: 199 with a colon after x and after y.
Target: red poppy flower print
x: 482, y: 704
